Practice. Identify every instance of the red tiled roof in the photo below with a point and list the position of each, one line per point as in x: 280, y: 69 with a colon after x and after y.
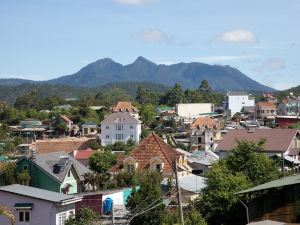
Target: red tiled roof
x: 83, y: 154
x: 277, y: 139
x: 266, y: 105
x: 152, y: 146
x: 124, y: 107
x: 205, y: 121
x: 65, y: 118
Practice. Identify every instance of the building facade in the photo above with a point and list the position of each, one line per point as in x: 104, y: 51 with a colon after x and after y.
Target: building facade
x: 235, y: 100
x: 120, y: 126
x: 193, y: 110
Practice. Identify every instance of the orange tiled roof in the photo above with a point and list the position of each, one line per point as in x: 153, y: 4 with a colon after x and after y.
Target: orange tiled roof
x: 124, y: 107
x: 152, y: 146
x: 205, y: 121
x: 266, y: 104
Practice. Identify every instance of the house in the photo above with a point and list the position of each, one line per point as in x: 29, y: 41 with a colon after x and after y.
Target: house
x: 287, y: 121
x: 266, y: 110
x: 278, y: 141
x: 66, y: 121
x: 276, y: 200
x: 289, y: 107
x: 89, y: 129
x: 235, y: 100
x: 34, y: 206
x: 24, y: 149
x: 29, y: 129
x: 120, y: 126
x: 154, y: 154
x: 205, y: 132
x: 82, y: 156
x: 56, y: 171
x: 126, y: 107
x: 193, y: 110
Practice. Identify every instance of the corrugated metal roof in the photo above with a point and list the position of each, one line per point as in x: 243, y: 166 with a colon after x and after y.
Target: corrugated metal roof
x: 285, y: 181
x: 37, y: 193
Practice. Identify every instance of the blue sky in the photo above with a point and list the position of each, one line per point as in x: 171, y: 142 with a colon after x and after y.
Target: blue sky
x: 44, y: 39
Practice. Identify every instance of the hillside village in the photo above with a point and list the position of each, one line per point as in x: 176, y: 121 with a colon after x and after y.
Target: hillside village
x: 194, y: 156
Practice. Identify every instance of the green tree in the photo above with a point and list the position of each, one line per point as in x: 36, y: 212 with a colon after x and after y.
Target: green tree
x: 146, y: 205
x: 193, y: 217
x: 248, y: 159
x: 192, y: 96
x: 218, y: 202
x: 102, y: 161
x: 173, y: 96
x: 9, y: 173
x: 206, y: 92
x: 144, y: 133
x: 148, y: 114
x: 85, y: 216
x: 23, y: 178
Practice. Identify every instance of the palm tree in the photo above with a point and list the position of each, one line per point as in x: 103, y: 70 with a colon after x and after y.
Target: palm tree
x: 4, y: 211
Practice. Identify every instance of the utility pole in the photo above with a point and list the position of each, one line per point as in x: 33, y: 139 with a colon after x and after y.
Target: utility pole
x: 178, y: 193
x: 282, y: 164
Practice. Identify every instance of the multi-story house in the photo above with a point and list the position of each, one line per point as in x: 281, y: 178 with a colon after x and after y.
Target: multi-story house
x: 205, y: 132
x: 120, y: 126
x: 193, y: 110
x: 235, y: 100
x: 266, y: 110
x: 289, y: 107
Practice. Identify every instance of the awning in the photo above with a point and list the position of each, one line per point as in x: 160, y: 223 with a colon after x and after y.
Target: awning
x: 23, y: 206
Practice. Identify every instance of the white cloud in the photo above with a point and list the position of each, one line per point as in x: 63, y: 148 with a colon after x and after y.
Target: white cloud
x: 272, y: 64
x: 134, y: 2
x: 237, y: 36
x: 152, y: 35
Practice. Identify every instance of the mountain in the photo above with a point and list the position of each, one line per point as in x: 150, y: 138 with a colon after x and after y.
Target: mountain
x: 189, y: 75
x: 105, y: 71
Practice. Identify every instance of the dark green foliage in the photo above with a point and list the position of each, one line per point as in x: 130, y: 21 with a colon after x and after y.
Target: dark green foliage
x: 144, y: 133
x: 102, y: 161
x: 245, y: 167
x: 84, y: 216
x: 192, y: 217
x: 11, y: 175
x: 147, y: 114
x: 173, y: 96
x: 148, y: 197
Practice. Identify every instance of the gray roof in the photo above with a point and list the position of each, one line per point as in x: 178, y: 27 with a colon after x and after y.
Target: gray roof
x: 192, y: 183
x: 234, y: 93
x: 120, y: 118
x: 38, y: 193
x: 89, y: 124
x: 50, y: 163
x: 285, y: 181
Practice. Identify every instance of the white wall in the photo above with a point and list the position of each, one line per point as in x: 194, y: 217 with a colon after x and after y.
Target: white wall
x: 193, y: 109
x: 112, y: 131
x: 237, y: 102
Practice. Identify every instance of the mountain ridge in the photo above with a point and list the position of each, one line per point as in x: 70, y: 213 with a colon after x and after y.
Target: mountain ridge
x: 189, y: 75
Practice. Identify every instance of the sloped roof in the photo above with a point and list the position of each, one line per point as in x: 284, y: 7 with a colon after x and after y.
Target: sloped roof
x: 266, y: 105
x: 120, y: 118
x: 285, y: 181
x: 152, y: 146
x: 267, y: 222
x: 124, y: 107
x: 205, y: 121
x: 277, y: 139
x: 49, y: 162
x: 82, y: 154
x: 65, y: 118
x: 38, y: 193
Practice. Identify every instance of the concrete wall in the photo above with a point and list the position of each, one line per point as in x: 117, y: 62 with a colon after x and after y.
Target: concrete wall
x: 193, y: 109
x: 237, y: 102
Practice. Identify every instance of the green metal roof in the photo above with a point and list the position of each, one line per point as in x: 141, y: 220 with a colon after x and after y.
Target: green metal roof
x: 285, y: 181
x: 23, y: 205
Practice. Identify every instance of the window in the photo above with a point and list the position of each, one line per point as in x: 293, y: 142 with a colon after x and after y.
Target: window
x: 25, y: 167
x: 107, y: 136
x: 107, y: 127
x: 131, y: 126
x: 130, y: 168
x: 158, y: 167
x: 119, y: 136
x: 24, y: 216
x: 62, y: 218
x: 119, y: 127
x: 131, y: 136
